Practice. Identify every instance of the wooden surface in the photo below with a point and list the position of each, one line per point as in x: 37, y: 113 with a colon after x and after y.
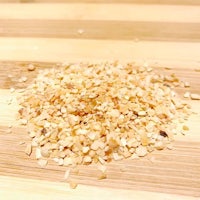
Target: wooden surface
x: 162, y: 33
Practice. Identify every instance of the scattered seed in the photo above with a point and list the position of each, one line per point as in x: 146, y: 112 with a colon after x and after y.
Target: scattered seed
x: 141, y: 113
x: 75, y: 171
x: 42, y: 162
x: 87, y: 159
x: 60, y: 161
x: 122, y: 169
x: 85, y: 149
x: 186, y: 84
x: 10, y: 126
x: 195, y: 96
x: 141, y: 151
x: 102, y: 176
x: 80, y: 31
x: 10, y: 76
x: 186, y: 95
x: 67, y: 173
x: 169, y: 146
x: 22, y: 79
x: 38, y: 153
x: 9, y: 101
x: 68, y: 161
x: 24, y: 122
x: 197, y: 69
x: 45, y: 153
x: 102, y: 168
x: 56, y: 160
x: 73, y: 185
x: 12, y: 90
x: 9, y: 131
x: 152, y: 159
x: 28, y: 149
x: 31, y: 67
x: 159, y: 145
x: 21, y: 90
x: 21, y: 142
x: 163, y: 133
x: 136, y: 40
x: 185, y: 128
x: 168, y: 68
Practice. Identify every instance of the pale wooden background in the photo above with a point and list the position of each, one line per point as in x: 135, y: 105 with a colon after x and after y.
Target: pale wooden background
x: 45, y: 32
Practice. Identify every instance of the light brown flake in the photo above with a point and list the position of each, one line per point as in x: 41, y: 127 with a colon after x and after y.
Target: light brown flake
x: 28, y: 149
x: 185, y: 128
x: 102, y: 176
x: 195, y: 96
x: 73, y: 185
x: 186, y: 95
x: 31, y: 67
x: 67, y: 173
x: 42, y: 162
x: 38, y: 153
x: 159, y: 145
x: 186, y: 84
x: 141, y: 151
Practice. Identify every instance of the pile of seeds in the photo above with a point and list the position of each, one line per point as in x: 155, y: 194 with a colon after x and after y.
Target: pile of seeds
x: 90, y: 113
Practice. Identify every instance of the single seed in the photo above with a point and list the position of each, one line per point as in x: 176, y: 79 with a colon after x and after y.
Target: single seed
x: 159, y: 145
x: 10, y: 126
x: 80, y: 31
x: 185, y: 128
x: 186, y: 95
x: 141, y: 113
x: 168, y: 68
x: 60, y: 161
x: 31, y: 67
x: 170, y: 146
x: 21, y: 142
x: 102, y: 168
x: 24, y: 122
x: 42, y: 163
x: 186, y: 84
x: 75, y: 171
x: 197, y: 69
x: 102, y: 176
x: 45, y: 153
x: 141, y: 151
x: 87, y: 159
x: 67, y: 161
x: 9, y: 131
x: 23, y: 79
x: 163, y: 133
x: 85, y: 149
x: 38, y: 153
x: 28, y: 149
x: 10, y: 76
x: 12, y: 90
x: 66, y: 176
x: 73, y: 185
x: 195, y: 96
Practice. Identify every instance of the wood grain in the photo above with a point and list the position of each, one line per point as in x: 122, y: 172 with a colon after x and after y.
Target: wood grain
x: 162, y: 33
x: 162, y: 2
x: 72, y: 50
x: 25, y: 188
x: 106, y: 12
x: 122, y: 30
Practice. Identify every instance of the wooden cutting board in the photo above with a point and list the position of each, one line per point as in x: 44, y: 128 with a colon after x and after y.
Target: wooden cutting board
x: 162, y: 33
